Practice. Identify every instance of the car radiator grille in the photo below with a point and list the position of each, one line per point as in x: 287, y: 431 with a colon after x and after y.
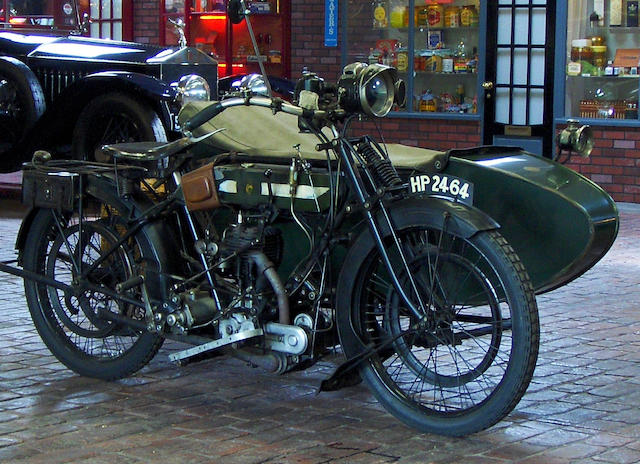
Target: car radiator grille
x: 54, y: 81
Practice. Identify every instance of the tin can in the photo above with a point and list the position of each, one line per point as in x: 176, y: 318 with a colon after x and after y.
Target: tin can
x: 403, y: 60
x: 452, y: 16
x: 469, y: 16
x: 435, y: 15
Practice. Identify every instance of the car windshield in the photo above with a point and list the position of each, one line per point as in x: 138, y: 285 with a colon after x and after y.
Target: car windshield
x: 39, y: 14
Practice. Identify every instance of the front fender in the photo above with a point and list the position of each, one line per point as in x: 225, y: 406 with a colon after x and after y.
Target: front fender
x: 56, y: 125
x: 461, y: 220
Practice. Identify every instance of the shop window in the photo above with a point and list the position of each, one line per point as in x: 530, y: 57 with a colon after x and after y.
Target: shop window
x: 106, y: 19
x: 433, y: 44
x: 207, y: 28
x: 603, y: 53
x: 37, y: 15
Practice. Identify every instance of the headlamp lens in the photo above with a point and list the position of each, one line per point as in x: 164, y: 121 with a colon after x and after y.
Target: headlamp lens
x: 377, y: 95
x: 193, y: 88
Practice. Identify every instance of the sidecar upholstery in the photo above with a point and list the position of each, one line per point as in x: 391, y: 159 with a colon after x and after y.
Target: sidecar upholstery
x: 558, y: 221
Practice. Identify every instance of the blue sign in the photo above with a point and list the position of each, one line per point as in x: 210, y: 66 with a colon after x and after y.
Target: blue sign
x: 331, y: 23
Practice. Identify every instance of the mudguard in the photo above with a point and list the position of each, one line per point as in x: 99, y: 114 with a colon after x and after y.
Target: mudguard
x: 558, y: 221
x: 154, y: 238
x: 57, y: 122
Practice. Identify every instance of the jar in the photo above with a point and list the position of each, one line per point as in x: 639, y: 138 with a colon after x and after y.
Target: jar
x: 599, y: 55
x: 428, y: 102
x: 422, y: 16
x: 418, y: 62
x: 397, y: 17
x: 452, y: 16
x: 581, y: 51
x: 468, y: 16
x: 403, y: 60
x: 435, y: 15
x: 597, y: 40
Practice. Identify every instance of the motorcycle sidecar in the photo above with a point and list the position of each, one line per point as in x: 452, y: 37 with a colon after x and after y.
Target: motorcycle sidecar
x: 558, y: 221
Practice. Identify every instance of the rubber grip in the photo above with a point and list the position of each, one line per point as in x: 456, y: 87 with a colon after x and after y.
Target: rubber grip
x: 203, y: 116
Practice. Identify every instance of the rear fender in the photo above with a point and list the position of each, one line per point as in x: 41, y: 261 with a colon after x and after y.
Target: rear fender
x: 155, y: 239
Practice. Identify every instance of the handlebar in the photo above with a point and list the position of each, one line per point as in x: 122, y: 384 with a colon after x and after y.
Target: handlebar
x: 276, y: 104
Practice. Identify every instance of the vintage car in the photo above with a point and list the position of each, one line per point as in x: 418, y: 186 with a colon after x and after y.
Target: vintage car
x: 71, y: 94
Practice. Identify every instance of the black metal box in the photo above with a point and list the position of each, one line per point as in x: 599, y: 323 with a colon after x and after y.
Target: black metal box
x: 44, y: 189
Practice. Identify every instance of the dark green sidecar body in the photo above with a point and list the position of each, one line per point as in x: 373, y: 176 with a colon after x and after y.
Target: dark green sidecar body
x: 558, y: 221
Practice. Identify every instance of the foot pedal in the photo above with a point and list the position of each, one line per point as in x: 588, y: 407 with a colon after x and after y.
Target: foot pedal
x: 237, y: 337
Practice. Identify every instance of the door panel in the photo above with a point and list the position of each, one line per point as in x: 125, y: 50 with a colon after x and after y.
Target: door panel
x: 519, y: 74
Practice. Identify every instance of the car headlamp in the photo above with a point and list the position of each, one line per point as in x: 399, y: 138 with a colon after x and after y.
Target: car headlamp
x: 576, y: 138
x: 192, y: 88
x: 370, y: 89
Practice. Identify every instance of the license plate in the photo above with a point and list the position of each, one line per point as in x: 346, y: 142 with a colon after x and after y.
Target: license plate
x: 444, y: 186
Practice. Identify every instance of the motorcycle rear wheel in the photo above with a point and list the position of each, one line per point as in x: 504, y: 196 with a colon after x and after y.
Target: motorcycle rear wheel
x: 468, y: 366
x: 69, y: 325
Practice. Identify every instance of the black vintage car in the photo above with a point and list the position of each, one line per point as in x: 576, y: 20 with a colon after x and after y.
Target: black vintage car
x: 71, y: 94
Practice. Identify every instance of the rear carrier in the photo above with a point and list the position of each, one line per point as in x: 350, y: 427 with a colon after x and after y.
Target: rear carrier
x: 254, y: 184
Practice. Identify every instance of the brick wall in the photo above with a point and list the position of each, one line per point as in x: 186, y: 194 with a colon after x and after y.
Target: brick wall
x: 614, y: 163
x: 146, y: 21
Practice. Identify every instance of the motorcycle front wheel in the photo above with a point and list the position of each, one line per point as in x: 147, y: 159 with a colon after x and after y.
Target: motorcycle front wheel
x: 60, y: 247
x: 468, y: 360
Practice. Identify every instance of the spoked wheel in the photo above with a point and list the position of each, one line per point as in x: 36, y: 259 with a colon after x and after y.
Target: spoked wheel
x: 114, y: 118
x: 71, y: 325
x: 466, y: 362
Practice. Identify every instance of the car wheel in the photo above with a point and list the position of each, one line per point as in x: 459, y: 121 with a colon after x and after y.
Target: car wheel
x: 21, y: 102
x: 114, y: 118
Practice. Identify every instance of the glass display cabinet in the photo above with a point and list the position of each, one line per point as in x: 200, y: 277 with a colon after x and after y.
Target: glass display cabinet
x: 433, y: 44
x: 207, y: 28
x: 602, y: 59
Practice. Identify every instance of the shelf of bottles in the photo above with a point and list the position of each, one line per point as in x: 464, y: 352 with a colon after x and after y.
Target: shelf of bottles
x: 603, y: 59
x: 435, y: 50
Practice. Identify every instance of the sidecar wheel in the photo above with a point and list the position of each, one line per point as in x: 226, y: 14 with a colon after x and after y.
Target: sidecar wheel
x: 69, y: 324
x: 464, y: 367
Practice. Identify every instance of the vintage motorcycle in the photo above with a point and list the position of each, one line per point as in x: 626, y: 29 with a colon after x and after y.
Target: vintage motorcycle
x: 270, y: 233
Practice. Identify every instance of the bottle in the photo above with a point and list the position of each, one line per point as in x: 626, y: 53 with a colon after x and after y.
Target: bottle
x: 380, y: 20
x: 608, y: 71
x: 460, y: 93
x: 460, y: 59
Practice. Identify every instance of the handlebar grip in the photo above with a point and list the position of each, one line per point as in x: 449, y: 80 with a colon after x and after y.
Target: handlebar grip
x: 203, y: 116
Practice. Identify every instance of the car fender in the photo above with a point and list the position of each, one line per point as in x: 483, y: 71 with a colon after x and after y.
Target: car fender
x: 61, y: 116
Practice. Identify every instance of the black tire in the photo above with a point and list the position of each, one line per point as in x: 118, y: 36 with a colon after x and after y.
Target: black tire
x: 21, y: 102
x: 470, y: 362
x: 114, y: 118
x: 69, y: 325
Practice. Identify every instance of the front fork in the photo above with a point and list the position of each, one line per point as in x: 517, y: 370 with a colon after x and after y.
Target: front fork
x: 369, y: 203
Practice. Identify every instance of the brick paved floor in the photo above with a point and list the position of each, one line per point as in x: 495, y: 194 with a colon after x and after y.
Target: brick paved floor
x: 583, y: 405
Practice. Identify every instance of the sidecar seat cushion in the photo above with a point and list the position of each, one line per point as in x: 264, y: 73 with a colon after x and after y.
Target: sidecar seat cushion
x: 256, y: 131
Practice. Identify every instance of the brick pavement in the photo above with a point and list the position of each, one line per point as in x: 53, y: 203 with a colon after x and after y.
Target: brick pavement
x: 583, y: 405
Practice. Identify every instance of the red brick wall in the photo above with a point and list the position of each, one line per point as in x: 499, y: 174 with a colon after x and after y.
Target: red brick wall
x: 146, y: 20
x: 614, y: 163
